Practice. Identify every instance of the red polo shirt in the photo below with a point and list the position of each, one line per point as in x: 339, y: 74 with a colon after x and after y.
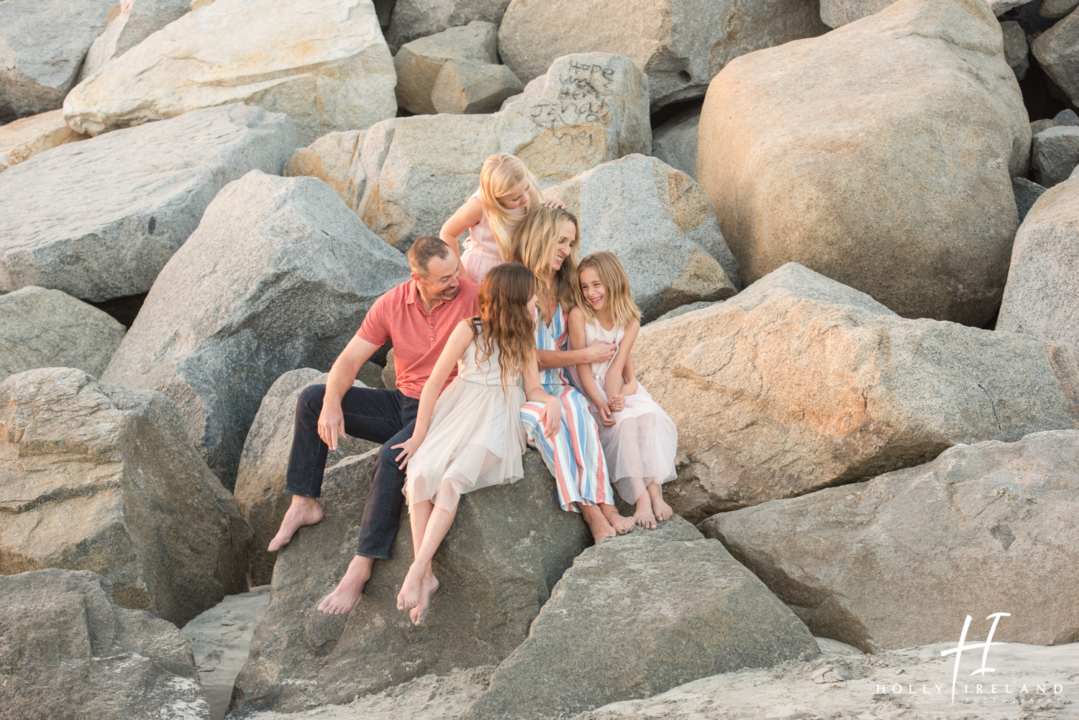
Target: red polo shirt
x: 418, y: 338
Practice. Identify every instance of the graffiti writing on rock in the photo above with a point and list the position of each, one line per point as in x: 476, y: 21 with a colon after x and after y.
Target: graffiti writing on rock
x: 582, y: 93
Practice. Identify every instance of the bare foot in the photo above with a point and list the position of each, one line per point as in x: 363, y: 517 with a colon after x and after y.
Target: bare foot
x: 601, y: 529
x: 622, y: 525
x: 302, y: 511
x: 427, y: 589
x: 662, y: 510
x: 347, y: 593
x: 643, y: 516
x: 411, y: 588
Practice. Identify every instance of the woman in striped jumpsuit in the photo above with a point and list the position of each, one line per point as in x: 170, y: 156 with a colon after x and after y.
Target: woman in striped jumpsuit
x: 547, y: 244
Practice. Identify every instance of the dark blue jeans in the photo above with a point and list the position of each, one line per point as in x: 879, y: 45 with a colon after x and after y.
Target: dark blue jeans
x: 382, y: 416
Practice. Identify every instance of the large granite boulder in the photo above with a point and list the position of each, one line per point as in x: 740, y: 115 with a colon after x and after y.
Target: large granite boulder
x: 260, y: 479
x: 799, y: 383
x: 505, y: 551
x: 419, y: 62
x: 1057, y: 51
x: 136, y: 21
x: 333, y: 159
x: 916, y: 543
x: 466, y: 87
x: 42, y: 45
x: 46, y: 328
x: 1042, y: 294
x: 98, y: 219
x: 279, y: 275
x: 636, y: 616
x: 675, y: 141
x: 101, y: 477
x: 679, y: 44
x: 587, y: 110
x: 414, y: 19
x: 324, y: 63
x: 1055, y: 154
x: 886, y: 187
x: 836, y: 13
x: 661, y: 226
x: 1016, y: 48
x: 1056, y: 9
x: 69, y: 652
x: 22, y: 139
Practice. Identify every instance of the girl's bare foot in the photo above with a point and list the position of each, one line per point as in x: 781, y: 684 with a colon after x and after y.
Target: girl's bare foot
x: 662, y: 510
x: 597, y: 523
x: 411, y: 588
x: 302, y: 511
x: 347, y: 593
x: 427, y: 589
x: 643, y: 516
x: 621, y: 525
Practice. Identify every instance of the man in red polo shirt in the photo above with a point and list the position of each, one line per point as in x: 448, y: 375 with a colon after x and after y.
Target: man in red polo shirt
x: 418, y: 316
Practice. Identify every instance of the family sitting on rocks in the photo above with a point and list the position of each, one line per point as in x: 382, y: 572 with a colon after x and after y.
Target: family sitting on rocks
x: 541, y: 349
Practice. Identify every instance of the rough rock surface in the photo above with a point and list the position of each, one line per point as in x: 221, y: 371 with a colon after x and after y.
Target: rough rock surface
x: 809, y: 383
x: 46, y: 328
x: 323, y: 63
x: 1057, y: 51
x: 1042, y: 295
x: 26, y: 137
x: 886, y: 187
x: 916, y: 543
x: 1026, y: 194
x: 103, y: 478
x: 42, y: 45
x: 675, y: 141
x: 279, y: 275
x: 69, y: 652
x: 636, y: 616
x: 1016, y: 50
x: 661, y: 226
x: 414, y: 19
x: 506, y: 549
x: 418, y: 62
x: 464, y: 87
x: 136, y: 21
x: 98, y: 219
x: 1055, y: 154
x: 679, y: 44
x: 1056, y: 8
x: 836, y: 13
x: 334, y: 159
x: 260, y: 480
x: 591, y: 108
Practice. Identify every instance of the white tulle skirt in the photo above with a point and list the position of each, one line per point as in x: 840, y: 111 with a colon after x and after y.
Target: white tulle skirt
x: 476, y: 440
x: 641, y: 445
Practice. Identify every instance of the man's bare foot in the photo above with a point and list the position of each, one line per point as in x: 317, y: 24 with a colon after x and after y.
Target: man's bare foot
x: 662, y: 510
x: 302, y: 511
x: 643, y: 515
x: 621, y: 525
x: 427, y: 589
x: 597, y: 523
x: 411, y: 588
x: 347, y: 593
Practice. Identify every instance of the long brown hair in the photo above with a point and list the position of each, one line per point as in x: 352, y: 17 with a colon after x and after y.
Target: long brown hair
x: 504, y: 319
x: 535, y: 246
x: 612, y: 274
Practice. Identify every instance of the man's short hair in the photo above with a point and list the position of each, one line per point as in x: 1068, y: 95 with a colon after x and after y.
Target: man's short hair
x: 423, y: 249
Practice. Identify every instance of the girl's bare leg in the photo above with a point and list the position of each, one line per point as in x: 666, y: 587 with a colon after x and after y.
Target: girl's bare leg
x: 644, y: 515
x: 419, y: 583
x: 662, y: 510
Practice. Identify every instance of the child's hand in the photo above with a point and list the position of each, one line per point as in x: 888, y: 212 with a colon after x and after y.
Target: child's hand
x: 617, y: 403
x: 552, y: 418
x: 554, y: 203
x: 409, y: 448
x: 605, y: 414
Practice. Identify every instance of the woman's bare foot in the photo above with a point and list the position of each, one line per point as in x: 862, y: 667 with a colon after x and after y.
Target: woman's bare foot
x: 427, y: 589
x: 621, y: 525
x: 347, y: 593
x: 302, y: 511
x: 643, y: 515
x: 662, y: 510
x: 597, y: 523
x: 411, y: 588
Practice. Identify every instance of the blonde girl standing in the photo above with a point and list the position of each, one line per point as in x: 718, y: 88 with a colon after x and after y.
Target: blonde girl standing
x: 639, y: 439
x: 470, y: 437
x: 507, y: 192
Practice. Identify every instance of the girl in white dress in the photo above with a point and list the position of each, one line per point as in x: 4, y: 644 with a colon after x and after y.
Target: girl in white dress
x: 507, y: 192
x: 470, y: 437
x: 639, y: 439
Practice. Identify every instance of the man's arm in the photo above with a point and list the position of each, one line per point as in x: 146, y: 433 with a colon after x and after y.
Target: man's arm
x: 331, y: 421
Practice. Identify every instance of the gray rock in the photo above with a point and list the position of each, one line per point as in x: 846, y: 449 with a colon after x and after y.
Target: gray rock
x: 636, y: 616
x: 1040, y: 125
x: 333, y: 159
x: 1016, y: 48
x: 915, y: 545
x: 1042, y: 295
x: 1055, y: 154
x: 101, y: 477
x: 22, y: 139
x: 808, y: 384
x: 1026, y: 194
x: 928, y: 237
x: 680, y: 44
x: 418, y: 63
x: 675, y: 141
x: 1056, y: 8
x: 414, y: 19
x: 46, y: 328
x: 278, y: 275
x: 260, y: 479
x: 389, y: 373
x: 138, y: 19
x: 42, y: 45
x: 683, y: 310
x: 661, y: 226
x: 837, y: 13
x: 506, y: 549
x: 68, y: 651
x: 1057, y: 51
x: 98, y: 219
x: 1066, y: 117
x: 464, y: 87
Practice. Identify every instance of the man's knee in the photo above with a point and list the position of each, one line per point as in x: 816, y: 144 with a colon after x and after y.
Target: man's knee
x: 387, y: 462
x: 310, y: 400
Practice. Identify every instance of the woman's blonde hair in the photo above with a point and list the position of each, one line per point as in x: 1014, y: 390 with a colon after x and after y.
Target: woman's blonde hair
x: 535, y: 246
x: 612, y: 274
x: 504, y: 319
x: 499, y: 177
